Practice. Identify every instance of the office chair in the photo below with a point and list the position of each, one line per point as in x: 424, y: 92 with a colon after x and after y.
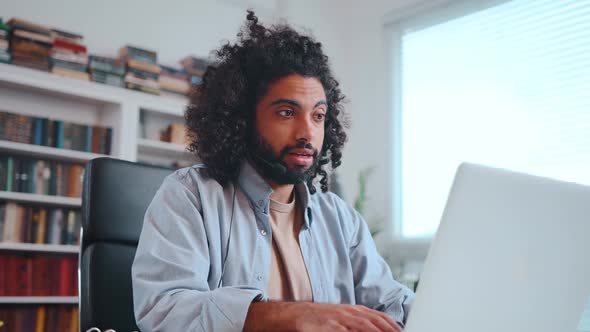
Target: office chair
x: 115, y: 196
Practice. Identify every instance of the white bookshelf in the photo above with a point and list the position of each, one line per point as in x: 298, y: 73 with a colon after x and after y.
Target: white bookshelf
x: 160, y: 148
x: 33, y: 247
x: 43, y: 152
x: 38, y: 299
x: 61, y: 201
x: 41, y: 94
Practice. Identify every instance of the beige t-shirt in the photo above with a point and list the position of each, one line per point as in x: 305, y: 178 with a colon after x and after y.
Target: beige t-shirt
x: 288, y: 278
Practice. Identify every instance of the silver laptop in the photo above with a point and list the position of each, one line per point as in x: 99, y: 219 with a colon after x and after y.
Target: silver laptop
x: 512, y: 254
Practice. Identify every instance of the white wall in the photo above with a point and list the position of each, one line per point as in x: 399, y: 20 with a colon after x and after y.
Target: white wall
x: 173, y: 28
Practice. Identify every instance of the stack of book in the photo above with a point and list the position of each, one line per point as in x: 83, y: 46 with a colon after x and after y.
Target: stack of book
x: 195, y: 67
x: 174, y: 80
x: 68, y: 55
x: 142, y: 69
x: 4, y: 45
x: 106, y: 70
x: 30, y: 44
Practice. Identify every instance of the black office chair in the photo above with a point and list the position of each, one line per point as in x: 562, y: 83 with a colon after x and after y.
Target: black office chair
x: 115, y: 195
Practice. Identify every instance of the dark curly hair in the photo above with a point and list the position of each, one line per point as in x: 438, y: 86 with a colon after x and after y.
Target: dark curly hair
x: 220, y: 116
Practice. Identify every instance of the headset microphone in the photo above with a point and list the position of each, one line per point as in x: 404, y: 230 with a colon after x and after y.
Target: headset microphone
x: 276, y: 170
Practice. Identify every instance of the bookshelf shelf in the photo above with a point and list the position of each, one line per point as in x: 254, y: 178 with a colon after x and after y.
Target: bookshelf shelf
x: 47, y: 152
x: 163, y: 149
x: 42, y: 199
x: 85, y: 91
x: 39, y: 299
x: 33, y: 247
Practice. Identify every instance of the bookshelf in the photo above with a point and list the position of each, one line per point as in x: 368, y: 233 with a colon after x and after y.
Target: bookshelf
x: 39, y: 300
x: 70, y: 202
x: 42, y: 248
x: 41, y: 94
x: 39, y: 151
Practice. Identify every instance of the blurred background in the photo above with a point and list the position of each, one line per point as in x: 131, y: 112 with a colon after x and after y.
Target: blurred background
x: 429, y: 84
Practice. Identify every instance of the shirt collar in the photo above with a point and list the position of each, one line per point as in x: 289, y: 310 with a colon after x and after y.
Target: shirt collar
x: 258, y: 190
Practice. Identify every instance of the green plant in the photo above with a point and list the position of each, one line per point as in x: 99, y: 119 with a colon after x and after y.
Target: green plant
x: 376, y: 225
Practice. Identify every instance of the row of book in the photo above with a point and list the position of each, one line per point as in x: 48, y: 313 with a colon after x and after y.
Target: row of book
x: 55, y: 133
x: 41, y: 225
x: 39, y: 318
x: 43, y: 177
x: 38, y: 275
x: 4, y: 50
x: 64, y: 53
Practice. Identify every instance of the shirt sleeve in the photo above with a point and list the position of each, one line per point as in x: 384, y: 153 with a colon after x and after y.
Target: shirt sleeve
x: 171, y: 267
x: 375, y: 286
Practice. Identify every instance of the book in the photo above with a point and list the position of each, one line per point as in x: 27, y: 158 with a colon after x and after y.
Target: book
x: 27, y: 45
x: 195, y: 65
x: 134, y: 79
x: 73, y: 66
x: 107, y: 65
x: 24, y: 34
x: 71, y: 73
x: 74, y: 47
x: 142, y: 74
x: 174, y: 72
x: 66, y: 35
x: 174, y: 85
x: 3, y: 175
x: 152, y: 68
x: 75, y: 178
x: 69, y: 57
x: 130, y: 52
x: 17, y: 23
x: 106, y: 78
x: 142, y: 88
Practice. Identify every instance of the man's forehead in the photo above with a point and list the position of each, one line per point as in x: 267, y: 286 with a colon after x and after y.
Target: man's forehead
x: 297, y: 88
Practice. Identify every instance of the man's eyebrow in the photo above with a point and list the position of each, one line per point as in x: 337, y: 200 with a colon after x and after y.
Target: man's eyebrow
x: 320, y: 103
x: 296, y: 104
x: 285, y: 101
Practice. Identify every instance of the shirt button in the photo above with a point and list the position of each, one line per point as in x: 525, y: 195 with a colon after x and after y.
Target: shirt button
x: 259, y: 278
x: 263, y: 232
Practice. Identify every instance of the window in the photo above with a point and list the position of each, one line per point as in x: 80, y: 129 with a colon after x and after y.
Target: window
x: 506, y: 85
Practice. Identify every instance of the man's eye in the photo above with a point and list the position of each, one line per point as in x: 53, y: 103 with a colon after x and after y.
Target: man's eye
x: 320, y: 116
x: 286, y: 113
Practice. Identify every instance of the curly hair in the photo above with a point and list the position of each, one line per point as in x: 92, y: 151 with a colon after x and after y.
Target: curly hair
x: 220, y: 115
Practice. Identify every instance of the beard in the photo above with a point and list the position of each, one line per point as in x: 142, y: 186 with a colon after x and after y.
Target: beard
x: 274, y: 168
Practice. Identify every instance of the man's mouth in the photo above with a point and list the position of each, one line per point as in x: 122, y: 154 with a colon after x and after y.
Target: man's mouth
x: 302, y: 157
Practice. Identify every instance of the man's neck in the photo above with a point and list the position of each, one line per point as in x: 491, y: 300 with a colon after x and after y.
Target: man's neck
x: 282, y: 193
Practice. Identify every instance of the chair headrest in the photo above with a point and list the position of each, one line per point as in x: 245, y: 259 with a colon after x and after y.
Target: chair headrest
x: 116, y: 194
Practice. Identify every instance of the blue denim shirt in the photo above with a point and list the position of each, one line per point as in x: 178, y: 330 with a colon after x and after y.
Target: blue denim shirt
x: 204, y: 254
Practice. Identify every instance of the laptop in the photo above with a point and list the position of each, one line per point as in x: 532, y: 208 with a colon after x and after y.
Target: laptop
x: 512, y: 254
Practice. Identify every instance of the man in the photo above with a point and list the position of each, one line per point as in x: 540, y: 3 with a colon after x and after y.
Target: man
x: 245, y: 241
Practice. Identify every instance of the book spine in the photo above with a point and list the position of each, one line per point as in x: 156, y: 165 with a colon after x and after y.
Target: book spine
x: 9, y: 173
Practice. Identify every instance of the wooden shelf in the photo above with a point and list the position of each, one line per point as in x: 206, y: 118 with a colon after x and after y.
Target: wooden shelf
x: 39, y: 299
x: 33, y: 247
x: 43, y: 199
x: 39, y: 151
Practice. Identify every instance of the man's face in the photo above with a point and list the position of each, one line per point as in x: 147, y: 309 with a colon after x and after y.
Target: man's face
x: 290, y: 124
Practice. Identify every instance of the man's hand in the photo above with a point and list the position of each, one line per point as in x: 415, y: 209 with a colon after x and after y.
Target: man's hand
x: 306, y: 316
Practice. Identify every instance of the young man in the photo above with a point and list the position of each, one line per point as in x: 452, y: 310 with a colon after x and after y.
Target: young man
x: 245, y: 241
